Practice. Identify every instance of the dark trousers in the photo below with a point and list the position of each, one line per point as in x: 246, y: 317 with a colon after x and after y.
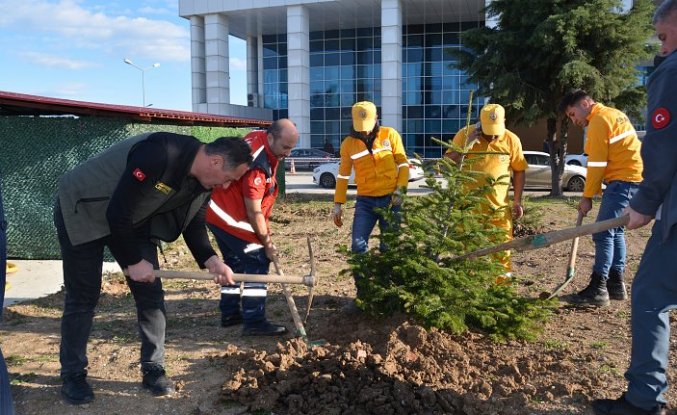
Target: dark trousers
x: 82, y: 268
x: 249, y: 258
x: 6, y: 405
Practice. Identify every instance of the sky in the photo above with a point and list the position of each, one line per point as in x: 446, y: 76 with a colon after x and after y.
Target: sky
x: 75, y: 49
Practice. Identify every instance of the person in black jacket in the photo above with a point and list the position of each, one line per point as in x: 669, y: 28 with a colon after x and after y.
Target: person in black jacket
x: 143, y: 190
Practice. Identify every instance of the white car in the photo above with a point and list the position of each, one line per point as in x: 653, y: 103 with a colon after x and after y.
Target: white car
x: 576, y: 159
x: 539, y: 173
x: 325, y: 174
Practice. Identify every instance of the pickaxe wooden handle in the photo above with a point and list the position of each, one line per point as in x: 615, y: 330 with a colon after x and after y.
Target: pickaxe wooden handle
x: 546, y: 239
x: 308, y: 280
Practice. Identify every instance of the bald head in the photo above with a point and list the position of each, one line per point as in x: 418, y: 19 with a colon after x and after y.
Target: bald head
x: 282, y: 137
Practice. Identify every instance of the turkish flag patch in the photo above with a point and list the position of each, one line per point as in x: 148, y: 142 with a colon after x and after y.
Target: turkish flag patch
x: 660, y: 118
x: 139, y: 175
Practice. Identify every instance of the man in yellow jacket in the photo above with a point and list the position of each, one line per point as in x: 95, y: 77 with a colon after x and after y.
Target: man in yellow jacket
x: 613, y: 158
x: 506, y: 158
x: 381, y: 174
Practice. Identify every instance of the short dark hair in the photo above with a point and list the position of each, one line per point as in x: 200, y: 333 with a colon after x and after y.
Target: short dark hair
x: 664, y: 11
x: 571, y: 98
x: 234, y: 150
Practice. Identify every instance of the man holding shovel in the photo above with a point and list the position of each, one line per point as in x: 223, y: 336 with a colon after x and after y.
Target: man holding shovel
x: 238, y: 218
x: 613, y: 158
x: 654, y: 289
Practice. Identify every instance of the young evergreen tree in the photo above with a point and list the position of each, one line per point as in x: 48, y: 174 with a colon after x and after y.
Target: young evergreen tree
x: 417, y: 275
x: 539, y: 49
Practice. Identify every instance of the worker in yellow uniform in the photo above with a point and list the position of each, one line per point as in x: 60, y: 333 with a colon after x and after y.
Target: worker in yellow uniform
x: 613, y: 158
x: 505, y: 158
x: 381, y: 169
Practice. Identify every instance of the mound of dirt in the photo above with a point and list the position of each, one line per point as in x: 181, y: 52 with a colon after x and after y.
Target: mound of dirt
x: 420, y: 371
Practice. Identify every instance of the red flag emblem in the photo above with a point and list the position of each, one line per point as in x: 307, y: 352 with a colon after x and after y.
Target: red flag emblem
x: 139, y: 175
x: 660, y: 118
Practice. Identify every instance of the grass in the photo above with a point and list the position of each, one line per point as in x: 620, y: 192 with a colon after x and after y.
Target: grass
x: 554, y: 344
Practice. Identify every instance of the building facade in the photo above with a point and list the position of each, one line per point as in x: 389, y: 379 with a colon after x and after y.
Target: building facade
x: 311, y: 60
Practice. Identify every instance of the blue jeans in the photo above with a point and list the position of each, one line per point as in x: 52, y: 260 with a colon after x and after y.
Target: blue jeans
x: 241, y: 258
x: 82, y: 266
x: 610, y: 244
x: 654, y: 294
x: 365, y: 219
x: 6, y: 405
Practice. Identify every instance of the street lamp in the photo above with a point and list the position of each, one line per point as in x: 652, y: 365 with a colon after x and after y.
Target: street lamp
x: 143, y: 76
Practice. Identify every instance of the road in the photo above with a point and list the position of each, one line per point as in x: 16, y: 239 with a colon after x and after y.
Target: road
x: 302, y: 182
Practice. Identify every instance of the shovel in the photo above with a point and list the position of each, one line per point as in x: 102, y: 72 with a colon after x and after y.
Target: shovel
x: 571, y: 267
x: 546, y: 239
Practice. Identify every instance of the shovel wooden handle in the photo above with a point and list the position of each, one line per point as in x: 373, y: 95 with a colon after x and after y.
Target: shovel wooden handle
x: 201, y: 275
x: 546, y: 239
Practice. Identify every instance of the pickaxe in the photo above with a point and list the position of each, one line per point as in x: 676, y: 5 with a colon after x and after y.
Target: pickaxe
x: 310, y: 280
x: 546, y: 239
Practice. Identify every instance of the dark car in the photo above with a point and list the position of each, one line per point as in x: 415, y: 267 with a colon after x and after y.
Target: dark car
x: 307, y: 158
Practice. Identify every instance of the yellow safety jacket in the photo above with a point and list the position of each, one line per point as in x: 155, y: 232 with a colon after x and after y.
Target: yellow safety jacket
x: 377, y: 173
x: 508, y: 158
x: 613, y: 149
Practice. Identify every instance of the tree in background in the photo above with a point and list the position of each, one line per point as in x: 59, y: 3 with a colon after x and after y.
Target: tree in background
x: 539, y: 49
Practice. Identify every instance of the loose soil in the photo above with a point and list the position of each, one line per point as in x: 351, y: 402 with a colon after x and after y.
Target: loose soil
x: 366, y: 365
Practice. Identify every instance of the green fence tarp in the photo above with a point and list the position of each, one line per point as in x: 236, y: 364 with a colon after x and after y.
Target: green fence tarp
x: 36, y: 151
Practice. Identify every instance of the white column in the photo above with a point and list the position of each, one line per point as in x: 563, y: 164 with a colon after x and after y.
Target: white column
x: 298, y: 71
x: 391, y: 64
x: 253, y: 70
x: 197, y: 63
x: 491, y: 22
x: 216, y: 55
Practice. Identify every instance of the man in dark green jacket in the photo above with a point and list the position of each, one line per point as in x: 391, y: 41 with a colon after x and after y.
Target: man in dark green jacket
x: 143, y: 190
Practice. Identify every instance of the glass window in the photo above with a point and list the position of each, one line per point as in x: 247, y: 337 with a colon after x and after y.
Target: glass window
x: 316, y: 59
x: 269, y: 63
x: 332, y: 45
x: 332, y: 59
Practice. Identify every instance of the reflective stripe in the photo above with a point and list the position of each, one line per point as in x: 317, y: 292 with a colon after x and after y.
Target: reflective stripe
x: 342, y: 177
x: 257, y: 152
x: 360, y: 154
x: 621, y: 136
x: 376, y: 150
x: 403, y: 165
x: 252, y: 247
x: 597, y: 164
x: 230, y: 290
x: 254, y: 292
x: 229, y: 219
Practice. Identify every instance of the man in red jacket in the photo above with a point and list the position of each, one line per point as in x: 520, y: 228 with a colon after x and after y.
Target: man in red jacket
x: 238, y: 218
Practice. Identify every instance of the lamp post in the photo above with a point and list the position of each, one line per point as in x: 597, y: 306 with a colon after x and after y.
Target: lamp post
x: 143, y: 76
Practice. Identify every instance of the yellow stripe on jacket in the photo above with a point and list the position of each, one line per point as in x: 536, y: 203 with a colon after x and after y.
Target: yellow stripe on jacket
x: 613, y: 149
x: 377, y: 173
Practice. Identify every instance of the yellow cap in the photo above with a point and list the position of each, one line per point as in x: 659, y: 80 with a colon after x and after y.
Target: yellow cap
x: 364, y: 116
x: 492, y: 117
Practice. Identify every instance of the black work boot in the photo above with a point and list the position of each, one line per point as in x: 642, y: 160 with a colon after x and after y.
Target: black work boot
x: 155, y: 379
x: 616, y: 286
x: 76, y: 390
x: 234, y: 320
x: 621, y: 406
x: 594, y: 294
x: 266, y: 328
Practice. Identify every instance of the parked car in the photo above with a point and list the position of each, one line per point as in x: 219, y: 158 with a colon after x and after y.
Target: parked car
x: 307, y: 158
x: 325, y: 174
x: 576, y: 159
x: 539, y: 173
